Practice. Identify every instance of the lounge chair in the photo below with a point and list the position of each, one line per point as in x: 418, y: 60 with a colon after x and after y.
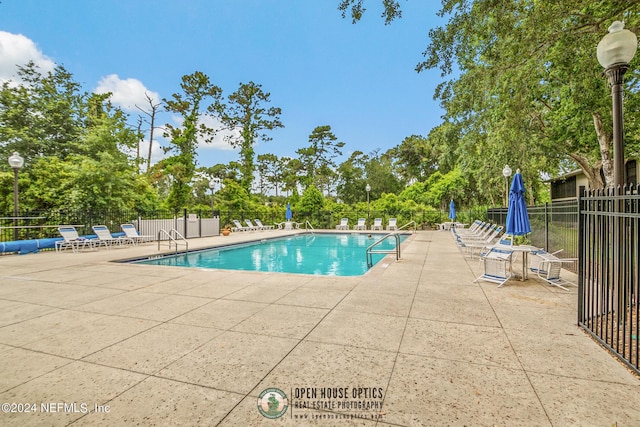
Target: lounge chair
x: 71, y: 239
x: 471, y: 246
x: 250, y: 225
x: 377, y: 224
x: 392, y: 226
x: 107, y: 239
x: 262, y: 227
x: 548, y: 267
x: 131, y: 232
x: 497, y: 266
x: 238, y: 226
x: 474, y: 230
x: 344, y: 224
x: 488, y: 236
x: 361, y: 225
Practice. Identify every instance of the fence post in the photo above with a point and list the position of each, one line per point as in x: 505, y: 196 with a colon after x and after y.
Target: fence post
x: 546, y: 226
x: 581, y: 258
x: 184, y: 222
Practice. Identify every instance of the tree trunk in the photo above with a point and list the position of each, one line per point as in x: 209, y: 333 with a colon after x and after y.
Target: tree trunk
x: 604, y: 141
x: 592, y: 172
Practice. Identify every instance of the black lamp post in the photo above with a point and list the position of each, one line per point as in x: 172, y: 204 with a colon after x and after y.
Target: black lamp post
x: 16, y: 162
x: 614, y: 52
x: 368, y: 189
x: 212, y: 185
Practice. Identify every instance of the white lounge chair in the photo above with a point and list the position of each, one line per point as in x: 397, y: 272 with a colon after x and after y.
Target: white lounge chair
x: 548, y: 267
x: 344, y: 224
x: 377, y: 224
x: 475, y: 230
x: 361, y: 225
x: 71, y: 239
x: 238, y: 226
x: 392, y: 226
x: 107, y: 239
x: 497, y: 266
x: 471, y: 246
x: 262, y: 227
x: 250, y: 225
x: 131, y: 232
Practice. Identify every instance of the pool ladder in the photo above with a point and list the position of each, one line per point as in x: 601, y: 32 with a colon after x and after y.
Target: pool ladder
x: 308, y: 227
x: 173, y: 236
x: 396, y: 250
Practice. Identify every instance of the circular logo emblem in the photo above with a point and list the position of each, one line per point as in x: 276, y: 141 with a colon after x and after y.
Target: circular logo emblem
x: 273, y: 403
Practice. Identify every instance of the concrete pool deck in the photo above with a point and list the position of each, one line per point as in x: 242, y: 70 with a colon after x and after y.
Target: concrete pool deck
x: 84, y: 341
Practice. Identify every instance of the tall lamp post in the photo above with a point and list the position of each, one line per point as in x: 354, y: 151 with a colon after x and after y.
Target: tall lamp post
x: 368, y: 189
x: 614, y: 52
x: 16, y: 162
x: 212, y: 185
x: 506, y: 172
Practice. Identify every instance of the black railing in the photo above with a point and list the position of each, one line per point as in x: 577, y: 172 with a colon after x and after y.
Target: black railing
x: 554, y: 227
x: 608, y: 277
x: 43, y: 224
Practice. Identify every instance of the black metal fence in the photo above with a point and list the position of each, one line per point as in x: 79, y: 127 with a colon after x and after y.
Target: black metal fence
x: 608, y: 280
x: 554, y: 227
x: 38, y: 225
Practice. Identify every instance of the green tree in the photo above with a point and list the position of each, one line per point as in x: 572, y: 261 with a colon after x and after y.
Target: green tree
x: 272, y: 170
x: 380, y: 175
x: 312, y: 200
x: 352, y: 178
x: 291, y: 176
x: 247, y: 113
x: 527, y: 85
x: 41, y: 114
x: 318, y: 158
x: 197, y: 91
x: 355, y: 8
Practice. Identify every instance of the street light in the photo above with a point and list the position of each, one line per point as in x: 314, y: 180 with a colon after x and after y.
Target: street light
x: 212, y: 185
x: 506, y: 172
x: 16, y: 162
x: 614, y: 52
x: 368, y: 189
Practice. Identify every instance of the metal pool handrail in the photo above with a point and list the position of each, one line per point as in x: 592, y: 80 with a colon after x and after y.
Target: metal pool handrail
x: 394, y: 233
x: 308, y: 226
x: 371, y: 251
x: 170, y: 235
x: 415, y: 226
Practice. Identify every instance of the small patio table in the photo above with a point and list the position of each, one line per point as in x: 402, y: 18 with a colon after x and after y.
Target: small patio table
x: 525, y: 250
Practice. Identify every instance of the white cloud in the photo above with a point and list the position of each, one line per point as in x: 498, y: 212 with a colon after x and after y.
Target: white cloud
x: 127, y: 93
x: 16, y: 50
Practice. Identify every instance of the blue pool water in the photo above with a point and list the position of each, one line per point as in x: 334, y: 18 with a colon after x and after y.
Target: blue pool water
x: 319, y: 254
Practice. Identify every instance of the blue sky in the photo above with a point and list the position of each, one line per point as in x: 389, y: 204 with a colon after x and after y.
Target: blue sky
x: 319, y: 68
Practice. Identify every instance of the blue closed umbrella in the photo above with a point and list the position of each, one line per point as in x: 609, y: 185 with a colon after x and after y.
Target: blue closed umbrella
x: 452, y: 210
x: 288, y: 215
x: 517, y: 214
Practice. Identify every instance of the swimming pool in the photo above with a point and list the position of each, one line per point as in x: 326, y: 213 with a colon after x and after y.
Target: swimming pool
x: 327, y: 254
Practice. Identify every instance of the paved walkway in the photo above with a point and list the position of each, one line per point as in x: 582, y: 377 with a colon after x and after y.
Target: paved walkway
x: 84, y: 341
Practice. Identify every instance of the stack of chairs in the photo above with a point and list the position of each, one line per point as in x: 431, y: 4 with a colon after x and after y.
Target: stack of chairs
x: 475, y: 240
